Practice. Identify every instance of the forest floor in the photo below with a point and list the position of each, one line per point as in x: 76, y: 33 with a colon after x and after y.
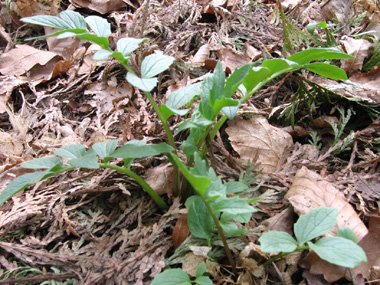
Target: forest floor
x: 98, y: 227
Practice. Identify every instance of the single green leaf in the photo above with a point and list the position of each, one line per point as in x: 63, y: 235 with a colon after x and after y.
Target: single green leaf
x: 21, y: 182
x: 128, y: 45
x: 183, y: 96
x: 236, y: 78
x: 102, y: 54
x: 73, y: 19
x: 234, y: 205
x: 199, y: 183
x: 327, y: 70
x: 230, y: 111
x: 172, y: 277
x: 154, y: 64
x: 105, y: 149
x: 241, y: 218
x: 99, y: 25
x: 167, y: 112
x: 120, y: 57
x: 47, y: 21
x: 203, y: 280
x: 42, y: 163
x: 205, y: 107
x: 312, y: 54
x: 199, y: 220
x: 218, y: 81
x: 347, y: 233
x: 223, y: 102
x: 144, y: 84
x: 339, y: 251
x: 197, y: 120
x: 254, y: 77
x: 231, y: 228
x: 200, y: 269
x: 274, y: 241
x: 315, y: 223
x: 89, y: 160
x: 134, y: 150
x: 71, y: 151
x: 236, y: 187
x: 279, y: 65
x: 66, y: 33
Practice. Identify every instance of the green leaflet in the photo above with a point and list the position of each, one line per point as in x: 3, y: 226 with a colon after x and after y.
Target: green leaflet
x: 274, y: 241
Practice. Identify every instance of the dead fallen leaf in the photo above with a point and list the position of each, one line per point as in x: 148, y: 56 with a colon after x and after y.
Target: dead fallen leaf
x: 161, y: 179
x: 27, y: 8
x: 201, y: 55
x: 281, y: 222
x: 191, y: 262
x: 252, y: 52
x: 360, y: 49
x: 181, y: 231
x: 370, y: 80
x: 8, y: 84
x: 310, y: 190
x: 40, y: 64
x: 231, y: 59
x: 100, y: 6
x: 250, y: 257
x: 258, y: 141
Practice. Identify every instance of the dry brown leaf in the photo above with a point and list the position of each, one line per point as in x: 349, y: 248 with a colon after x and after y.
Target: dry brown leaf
x: 8, y: 83
x: 161, y: 179
x: 231, y: 59
x: 258, y: 141
x: 40, y: 64
x: 369, y: 81
x: 250, y: 258
x: 252, y: 52
x: 100, y: 6
x: 281, y: 222
x: 360, y: 49
x: 181, y: 231
x: 201, y: 55
x: 191, y: 262
x: 309, y: 191
x: 27, y: 8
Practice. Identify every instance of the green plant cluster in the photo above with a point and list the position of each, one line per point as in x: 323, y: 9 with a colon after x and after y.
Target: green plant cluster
x: 216, y: 206
x: 341, y: 250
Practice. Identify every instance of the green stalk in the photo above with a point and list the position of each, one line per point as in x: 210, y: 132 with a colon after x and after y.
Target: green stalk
x: 282, y: 254
x: 153, y: 194
x: 222, y: 237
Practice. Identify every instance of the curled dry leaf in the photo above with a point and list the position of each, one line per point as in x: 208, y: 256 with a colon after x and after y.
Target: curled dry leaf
x: 201, y: 55
x: 250, y: 258
x: 360, y: 49
x: 41, y: 65
x: 256, y: 140
x: 161, y: 179
x: 309, y: 191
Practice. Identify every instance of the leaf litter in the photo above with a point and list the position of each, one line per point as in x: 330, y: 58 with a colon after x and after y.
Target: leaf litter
x: 97, y: 227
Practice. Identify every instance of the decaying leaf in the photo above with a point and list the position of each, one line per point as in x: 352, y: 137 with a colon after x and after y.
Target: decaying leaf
x: 256, y: 140
x: 27, y: 8
x: 161, y: 179
x: 360, y: 49
x: 309, y: 191
x: 202, y: 54
x: 250, y: 257
x: 100, y: 6
x: 42, y: 65
x: 181, y: 231
x: 231, y: 59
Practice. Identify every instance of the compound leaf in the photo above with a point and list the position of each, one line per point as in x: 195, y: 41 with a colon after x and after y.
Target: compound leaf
x: 315, y: 223
x: 339, y: 251
x: 274, y: 241
x: 154, y: 64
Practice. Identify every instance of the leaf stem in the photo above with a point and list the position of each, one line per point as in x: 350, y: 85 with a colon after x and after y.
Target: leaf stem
x: 153, y: 194
x: 282, y: 254
x: 222, y: 237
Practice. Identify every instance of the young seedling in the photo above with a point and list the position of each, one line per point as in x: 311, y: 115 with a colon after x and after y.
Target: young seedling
x: 210, y: 208
x: 341, y: 250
